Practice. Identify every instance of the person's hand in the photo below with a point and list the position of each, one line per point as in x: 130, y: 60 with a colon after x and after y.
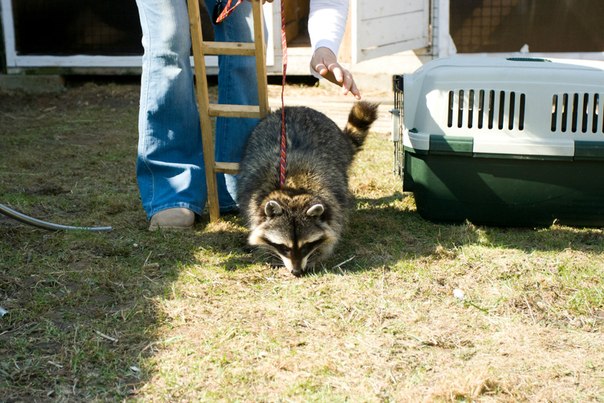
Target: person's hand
x: 325, y: 63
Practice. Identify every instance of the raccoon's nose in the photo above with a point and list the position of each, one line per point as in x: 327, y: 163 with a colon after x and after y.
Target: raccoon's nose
x: 297, y: 272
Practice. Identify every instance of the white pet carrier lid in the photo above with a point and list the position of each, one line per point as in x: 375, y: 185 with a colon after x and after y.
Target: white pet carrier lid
x: 523, y: 106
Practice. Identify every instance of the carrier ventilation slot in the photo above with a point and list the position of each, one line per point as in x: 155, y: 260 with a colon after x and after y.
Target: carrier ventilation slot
x: 486, y: 109
x: 577, y: 113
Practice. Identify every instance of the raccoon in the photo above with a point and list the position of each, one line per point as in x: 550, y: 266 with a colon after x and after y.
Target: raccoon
x: 302, y: 221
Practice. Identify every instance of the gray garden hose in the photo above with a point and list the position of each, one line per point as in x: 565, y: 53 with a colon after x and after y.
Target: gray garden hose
x: 44, y: 224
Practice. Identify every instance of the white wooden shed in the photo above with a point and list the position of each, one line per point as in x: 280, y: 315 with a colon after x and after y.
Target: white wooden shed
x: 90, y: 36
x: 87, y: 34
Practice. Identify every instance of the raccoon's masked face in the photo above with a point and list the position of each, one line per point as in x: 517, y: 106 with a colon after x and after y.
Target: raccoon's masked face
x: 298, y: 233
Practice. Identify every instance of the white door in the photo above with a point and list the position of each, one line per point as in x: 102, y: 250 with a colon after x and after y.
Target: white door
x: 384, y: 27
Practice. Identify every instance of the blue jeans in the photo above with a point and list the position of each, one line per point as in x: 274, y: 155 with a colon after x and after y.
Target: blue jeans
x: 170, y: 168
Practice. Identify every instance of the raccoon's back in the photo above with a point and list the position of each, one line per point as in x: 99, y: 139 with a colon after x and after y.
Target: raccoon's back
x: 317, y: 152
x: 309, y: 134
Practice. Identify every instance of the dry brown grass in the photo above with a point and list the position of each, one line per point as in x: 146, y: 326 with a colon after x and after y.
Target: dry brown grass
x: 196, y: 317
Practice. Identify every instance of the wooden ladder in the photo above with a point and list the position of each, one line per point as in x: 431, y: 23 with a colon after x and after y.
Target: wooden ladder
x: 208, y: 111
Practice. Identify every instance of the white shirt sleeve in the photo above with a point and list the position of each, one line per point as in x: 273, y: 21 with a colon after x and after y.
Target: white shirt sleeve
x: 326, y: 23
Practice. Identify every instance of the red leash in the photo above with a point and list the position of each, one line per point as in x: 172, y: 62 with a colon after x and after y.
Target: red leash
x: 283, y: 149
x: 221, y: 11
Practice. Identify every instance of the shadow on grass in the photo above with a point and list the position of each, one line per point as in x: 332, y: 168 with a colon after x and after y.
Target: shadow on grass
x: 83, y: 309
x: 380, y: 234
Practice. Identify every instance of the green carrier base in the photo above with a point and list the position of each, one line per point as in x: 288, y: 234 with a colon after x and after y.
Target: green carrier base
x: 506, y: 191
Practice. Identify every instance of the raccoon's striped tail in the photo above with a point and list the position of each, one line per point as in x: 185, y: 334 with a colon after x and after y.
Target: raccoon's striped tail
x: 361, y: 116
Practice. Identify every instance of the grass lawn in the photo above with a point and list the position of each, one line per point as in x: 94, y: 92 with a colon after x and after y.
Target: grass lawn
x: 135, y: 315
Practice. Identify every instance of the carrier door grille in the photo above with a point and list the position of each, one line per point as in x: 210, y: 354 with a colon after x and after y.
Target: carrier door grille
x: 486, y: 109
x: 577, y: 113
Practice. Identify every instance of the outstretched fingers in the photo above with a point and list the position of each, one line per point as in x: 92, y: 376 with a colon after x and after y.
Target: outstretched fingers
x: 325, y: 63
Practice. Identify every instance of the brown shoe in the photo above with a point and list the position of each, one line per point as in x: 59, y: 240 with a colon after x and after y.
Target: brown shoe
x: 178, y: 218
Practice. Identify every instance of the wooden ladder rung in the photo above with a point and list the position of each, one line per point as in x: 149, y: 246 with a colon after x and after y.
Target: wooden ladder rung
x: 229, y: 48
x: 235, y: 111
x: 231, y: 168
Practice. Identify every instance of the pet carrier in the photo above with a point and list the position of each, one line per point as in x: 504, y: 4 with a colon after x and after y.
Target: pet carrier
x: 503, y: 141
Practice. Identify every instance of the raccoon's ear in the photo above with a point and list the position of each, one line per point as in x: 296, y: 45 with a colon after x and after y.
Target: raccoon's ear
x: 316, y: 210
x: 272, y: 208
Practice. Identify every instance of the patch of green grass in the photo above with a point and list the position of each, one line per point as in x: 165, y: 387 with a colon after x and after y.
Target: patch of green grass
x: 134, y: 315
